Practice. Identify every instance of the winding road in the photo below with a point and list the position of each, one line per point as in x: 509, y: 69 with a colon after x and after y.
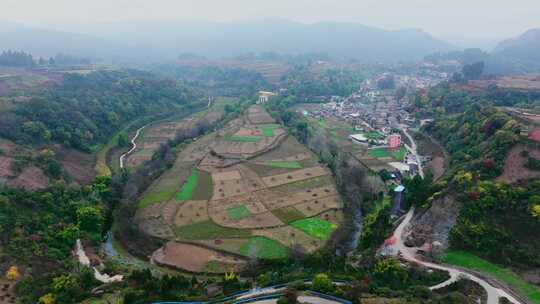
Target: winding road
x: 409, y: 254
x: 133, y: 146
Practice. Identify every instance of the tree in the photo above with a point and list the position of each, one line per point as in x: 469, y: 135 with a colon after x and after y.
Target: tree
x: 13, y: 273
x: 388, y: 272
x: 90, y: 220
x: 322, y: 283
x: 473, y: 71
x: 47, y: 299
x: 123, y: 140
x: 535, y: 211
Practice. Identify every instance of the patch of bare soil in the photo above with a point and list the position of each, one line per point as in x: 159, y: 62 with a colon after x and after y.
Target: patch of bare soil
x: 436, y: 167
x: 193, y: 258
x: 7, y: 292
x: 79, y: 165
x: 435, y: 223
x: 31, y: 178
x: 5, y: 167
x: 514, y: 165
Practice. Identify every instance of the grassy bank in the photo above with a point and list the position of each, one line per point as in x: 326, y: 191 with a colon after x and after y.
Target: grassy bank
x: 470, y: 261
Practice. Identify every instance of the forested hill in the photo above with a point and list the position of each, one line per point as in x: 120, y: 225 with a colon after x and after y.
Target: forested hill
x: 85, y: 110
x: 493, y: 178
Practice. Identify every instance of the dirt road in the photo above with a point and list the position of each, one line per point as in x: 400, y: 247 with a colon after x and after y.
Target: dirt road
x: 493, y: 293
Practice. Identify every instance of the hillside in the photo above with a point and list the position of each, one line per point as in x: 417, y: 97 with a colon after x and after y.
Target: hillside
x: 525, y: 47
x: 54, y: 125
x: 487, y: 203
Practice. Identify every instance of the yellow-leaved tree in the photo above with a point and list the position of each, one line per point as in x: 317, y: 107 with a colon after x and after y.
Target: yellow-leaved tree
x: 47, y: 299
x: 13, y: 273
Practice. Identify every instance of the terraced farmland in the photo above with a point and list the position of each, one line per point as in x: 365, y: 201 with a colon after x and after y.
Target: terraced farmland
x: 238, y: 199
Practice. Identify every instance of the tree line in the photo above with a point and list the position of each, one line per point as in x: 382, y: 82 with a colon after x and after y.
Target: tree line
x: 85, y: 110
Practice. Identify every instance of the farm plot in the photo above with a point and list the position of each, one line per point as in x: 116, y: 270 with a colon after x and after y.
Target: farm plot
x: 264, y: 248
x: 295, y: 176
x: 226, y: 244
x: 268, y: 130
x: 238, y: 212
x: 315, y: 227
x: 398, y: 154
x: 195, y: 258
x: 167, y: 185
x: 288, y: 214
x: 265, y: 206
x: 284, y: 164
x: 209, y: 230
x: 191, y: 212
x: 257, y: 115
x: 247, y: 146
x: 291, y: 237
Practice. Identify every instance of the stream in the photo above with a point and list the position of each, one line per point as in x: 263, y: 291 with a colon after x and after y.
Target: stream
x: 352, y: 242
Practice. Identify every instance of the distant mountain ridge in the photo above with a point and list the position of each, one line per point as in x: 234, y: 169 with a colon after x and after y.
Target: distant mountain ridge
x: 525, y: 47
x: 165, y: 40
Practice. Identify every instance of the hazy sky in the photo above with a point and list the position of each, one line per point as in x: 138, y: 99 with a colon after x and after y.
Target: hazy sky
x: 467, y: 18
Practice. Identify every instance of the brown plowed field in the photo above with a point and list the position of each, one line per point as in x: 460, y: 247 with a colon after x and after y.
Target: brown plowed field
x: 193, y: 258
x: 298, y: 175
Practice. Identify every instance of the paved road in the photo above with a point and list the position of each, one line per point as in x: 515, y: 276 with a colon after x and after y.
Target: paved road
x: 409, y: 254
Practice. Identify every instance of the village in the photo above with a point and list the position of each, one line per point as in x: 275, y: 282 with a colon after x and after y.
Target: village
x: 373, y: 125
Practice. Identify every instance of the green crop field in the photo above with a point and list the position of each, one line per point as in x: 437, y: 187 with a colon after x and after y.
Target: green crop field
x: 238, y: 138
x: 315, y: 227
x: 470, y: 261
x: 166, y: 187
x: 268, y: 130
x: 374, y: 135
x: 238, y: 212
x: 264, y: 248
x: 186, y: 192
x: 209, y: 230
x: 284, y: 164
x: 398, y: 155
x: 379, y: 153
x: 288, y: 214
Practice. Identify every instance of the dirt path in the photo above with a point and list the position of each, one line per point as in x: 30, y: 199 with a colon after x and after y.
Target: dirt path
x: 493, y: 293
x: 133, y: 146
